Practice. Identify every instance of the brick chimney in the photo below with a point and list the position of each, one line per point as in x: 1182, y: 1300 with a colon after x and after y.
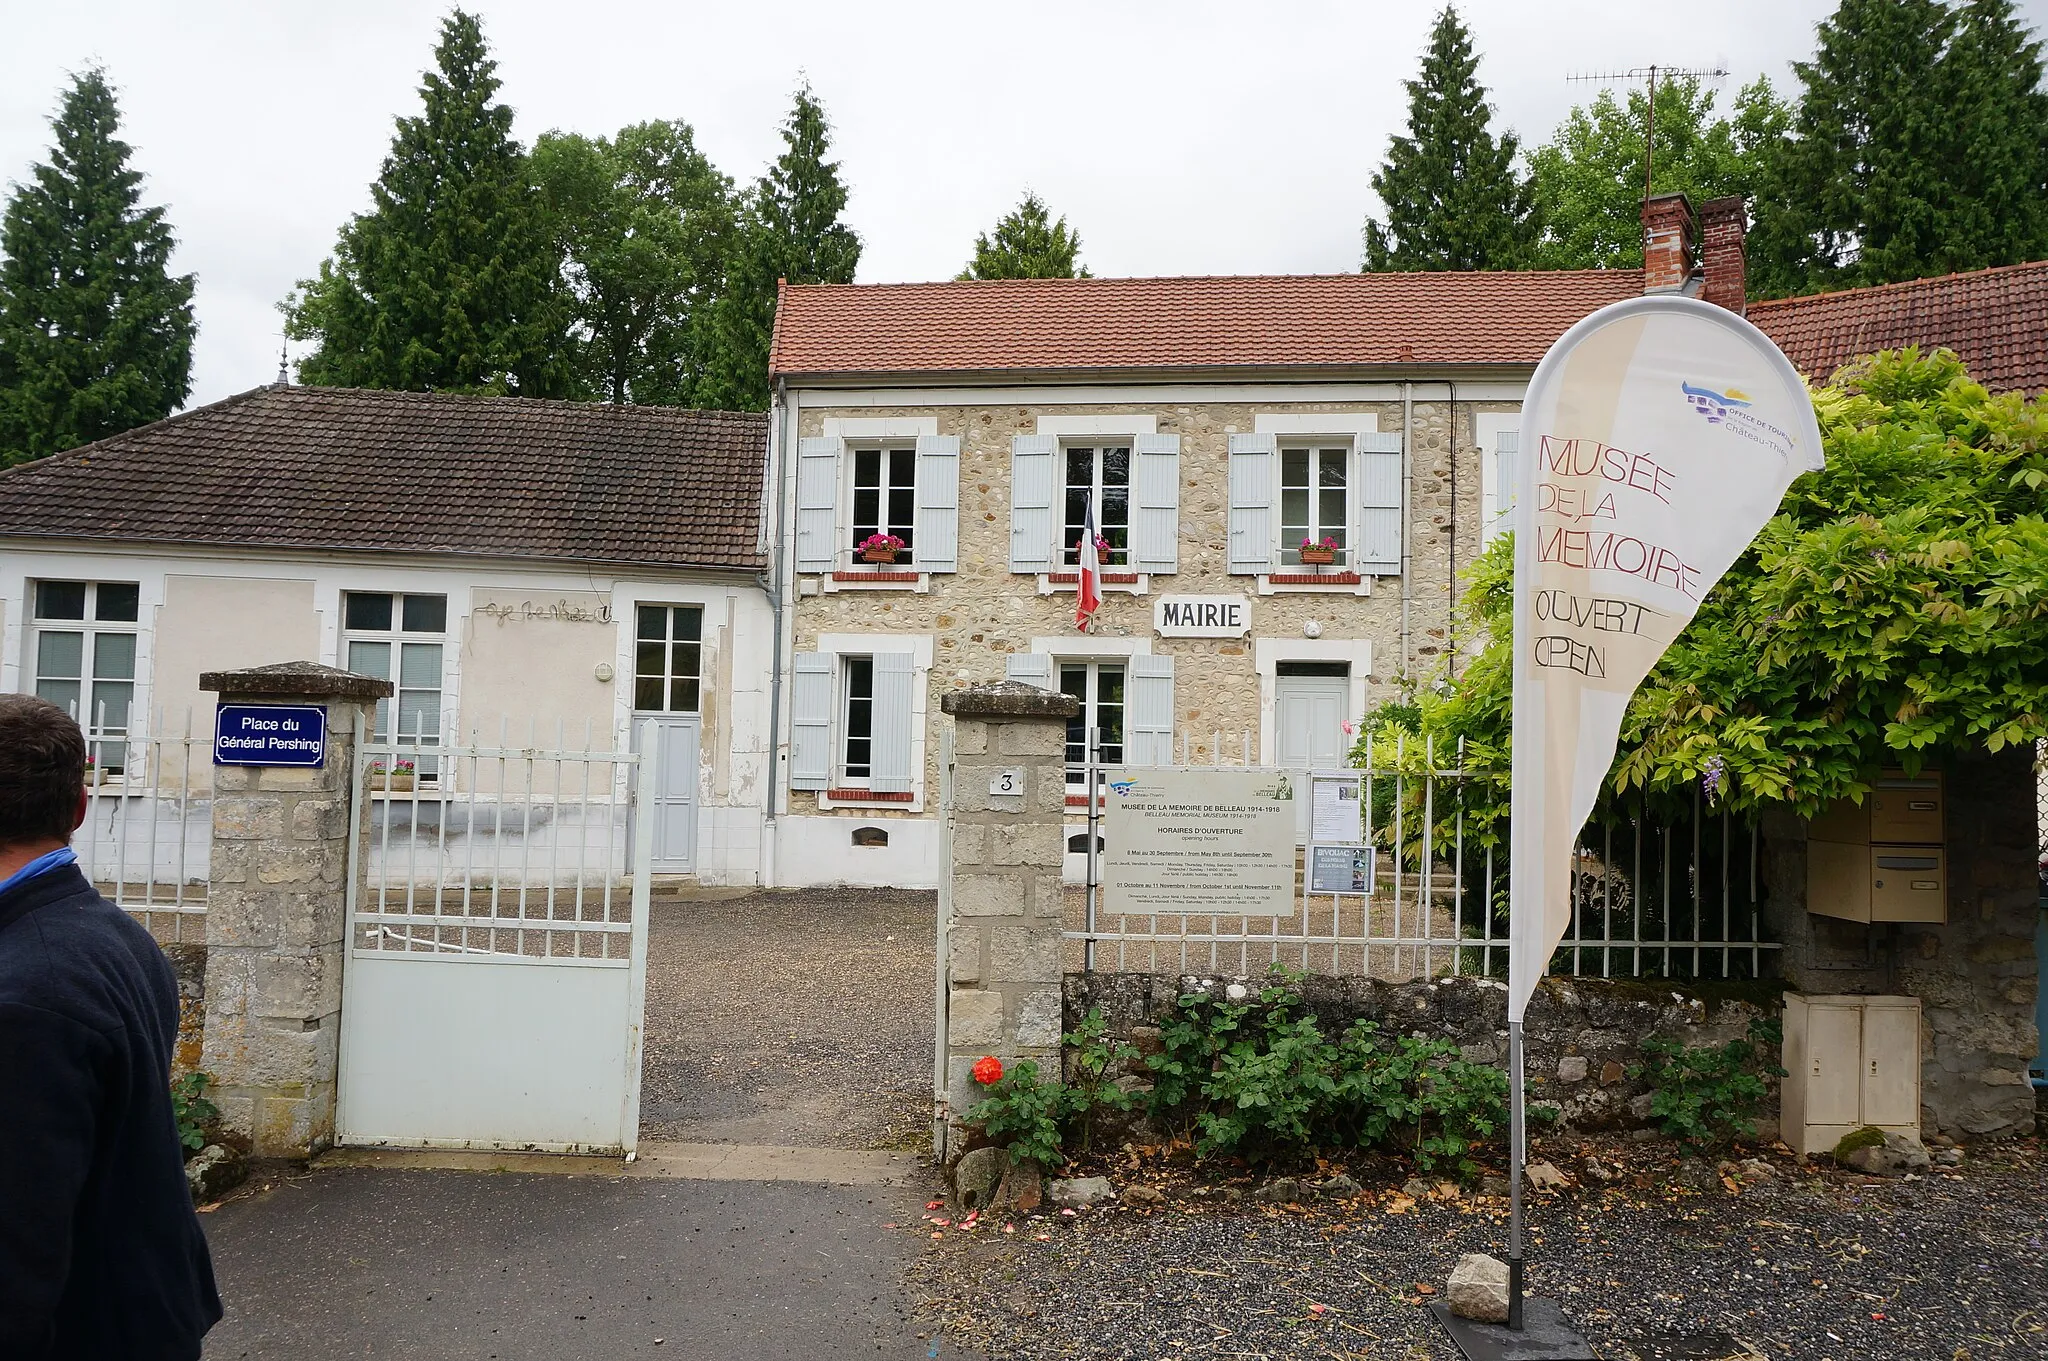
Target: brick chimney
x: 1667, y: 243
x: 1723, y: 224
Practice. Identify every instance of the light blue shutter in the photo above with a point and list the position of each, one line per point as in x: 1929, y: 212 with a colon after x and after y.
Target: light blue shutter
x: 1379, y: 505
x: 1032, y: 668
x: 889, y: 769
x: 1506, y: 444
x: 1148, y: 712
x: 1251, y: 503
x: 1155, y: 508
x: 810, y: 720
x: 817, y: 502
x: 1033, y: 462
x: 937, y: 548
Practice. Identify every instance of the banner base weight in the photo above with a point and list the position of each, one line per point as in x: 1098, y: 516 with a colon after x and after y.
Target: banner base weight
x: 1545, y: 1335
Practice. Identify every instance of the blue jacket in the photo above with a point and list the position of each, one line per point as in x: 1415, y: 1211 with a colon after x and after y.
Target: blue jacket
x: 101, y: 1255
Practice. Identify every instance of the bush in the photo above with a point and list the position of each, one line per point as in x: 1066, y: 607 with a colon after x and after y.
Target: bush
x: 195, y: 1114
x: 1021, y: 1112
x: 1709, y: 1096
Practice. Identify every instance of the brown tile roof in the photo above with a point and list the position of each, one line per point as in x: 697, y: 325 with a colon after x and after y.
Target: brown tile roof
x: 1996, y: 320
x: 345, y: 468
x: 1325, y: 321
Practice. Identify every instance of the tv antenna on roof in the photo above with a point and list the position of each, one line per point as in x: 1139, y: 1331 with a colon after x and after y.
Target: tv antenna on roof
x: 1650, y: 109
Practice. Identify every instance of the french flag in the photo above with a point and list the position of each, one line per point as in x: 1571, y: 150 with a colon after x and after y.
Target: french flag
x: 1089, y: 559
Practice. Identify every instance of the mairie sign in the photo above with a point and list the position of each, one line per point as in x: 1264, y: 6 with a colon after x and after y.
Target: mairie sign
x: 1202, y: 616
x: 270, y: 735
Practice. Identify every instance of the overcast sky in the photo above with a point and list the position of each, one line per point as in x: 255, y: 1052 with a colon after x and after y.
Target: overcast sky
x: 1178, y: 138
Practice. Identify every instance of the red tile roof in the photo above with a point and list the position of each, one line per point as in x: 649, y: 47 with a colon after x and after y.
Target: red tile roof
x: 415, y: 472
x: 1330, y: 321
x: 1996, y: 320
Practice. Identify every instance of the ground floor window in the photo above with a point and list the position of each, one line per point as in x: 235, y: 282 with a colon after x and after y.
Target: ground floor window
x: 668, y: 658
x: 83, y: 656
x: 399, y: 638
x: 857, y: 719
x: 1100, y: 688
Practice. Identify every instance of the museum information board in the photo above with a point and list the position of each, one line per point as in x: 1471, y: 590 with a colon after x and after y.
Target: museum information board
x: 1199, y: 842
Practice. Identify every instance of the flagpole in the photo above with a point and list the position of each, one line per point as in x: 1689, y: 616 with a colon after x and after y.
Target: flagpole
x: 1517, y: 1153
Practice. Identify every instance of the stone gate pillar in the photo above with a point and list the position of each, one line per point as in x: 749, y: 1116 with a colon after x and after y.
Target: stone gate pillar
x: 276, y: 915
x: 1008, y: 908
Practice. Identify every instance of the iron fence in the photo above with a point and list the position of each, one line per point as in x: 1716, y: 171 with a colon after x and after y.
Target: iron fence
x: 148, y: 830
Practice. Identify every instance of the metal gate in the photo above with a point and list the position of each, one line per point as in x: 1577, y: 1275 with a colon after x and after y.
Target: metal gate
x: 497, y: 947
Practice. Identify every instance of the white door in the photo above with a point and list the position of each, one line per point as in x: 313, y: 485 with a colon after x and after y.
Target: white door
x: 1309, y: 700
x: 675, y: 789
x: 667, y: 680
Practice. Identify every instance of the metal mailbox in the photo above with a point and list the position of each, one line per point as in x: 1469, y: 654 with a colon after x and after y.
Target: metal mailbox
x: 1877, y: 883
x: 1900, y: 810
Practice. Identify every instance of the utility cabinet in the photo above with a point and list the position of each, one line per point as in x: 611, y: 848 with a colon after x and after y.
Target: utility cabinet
x: 1882, y: 860
x: 1849, y: 1062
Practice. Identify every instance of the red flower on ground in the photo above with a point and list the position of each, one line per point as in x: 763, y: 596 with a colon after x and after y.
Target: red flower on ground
x: 988, y: 1069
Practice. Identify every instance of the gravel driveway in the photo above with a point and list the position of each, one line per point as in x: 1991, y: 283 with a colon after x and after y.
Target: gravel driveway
x: 1815, y: 1267
x: 795, y: 1017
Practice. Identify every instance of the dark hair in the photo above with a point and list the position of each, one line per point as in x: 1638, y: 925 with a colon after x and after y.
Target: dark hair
x: 42, y: 771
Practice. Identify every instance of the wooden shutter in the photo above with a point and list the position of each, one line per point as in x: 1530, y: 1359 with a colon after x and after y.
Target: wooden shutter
x: 810, y: 720
x: 1155, y: 503
x: 889, y: 769
x: 1501, y: 464
x: 817, y: 502
x: 1148, y: 712
x: 1034, y: 466
x: 1032, y: 668
x: 937, y: 546
x: 1379, y: 505
x: 1251, y: 503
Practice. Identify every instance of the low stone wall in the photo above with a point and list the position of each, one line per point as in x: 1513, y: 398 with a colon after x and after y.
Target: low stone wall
x: 1581, y: 1035
x: 188, y: 962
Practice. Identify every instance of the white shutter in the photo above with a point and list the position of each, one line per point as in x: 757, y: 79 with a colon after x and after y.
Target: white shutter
x: 1251, y: 503
x: 1148, y: 712
x: 937, y: 546
x: 1155, y: 503
x: 817, y: 502
x: 1379, y: 505
x: 1034, y: 462
x: 1032, y: 668
x: 889, y: 758
x: 810, y: 720
x: 1500, y: 483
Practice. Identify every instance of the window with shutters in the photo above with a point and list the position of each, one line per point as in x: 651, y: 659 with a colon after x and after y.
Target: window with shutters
x: 857, y: 719
x: 857, y: 716
x: 1314, y: 500
x: 884, y: 497
x: 1101, y: 472
x: 83, y: 654
x: 1100, y: 688
x: 399, y: 638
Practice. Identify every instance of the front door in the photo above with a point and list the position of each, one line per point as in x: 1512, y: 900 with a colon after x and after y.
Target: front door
x: 667, y: 679
x: 1309, y: 700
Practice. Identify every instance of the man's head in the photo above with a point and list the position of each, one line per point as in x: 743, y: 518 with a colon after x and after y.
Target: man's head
x: 42, y: 772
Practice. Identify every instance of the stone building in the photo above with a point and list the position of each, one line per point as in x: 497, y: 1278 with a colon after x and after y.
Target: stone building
x: 1219, y: 426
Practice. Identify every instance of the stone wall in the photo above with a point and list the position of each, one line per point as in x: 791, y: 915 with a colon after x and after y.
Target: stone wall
x: 982, y: 613
x: 188, y: 963
x: 1580, y: 1039
x: 1975, y: 976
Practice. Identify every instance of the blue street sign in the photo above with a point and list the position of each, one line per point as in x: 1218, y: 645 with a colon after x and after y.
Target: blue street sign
x: 270, y: 735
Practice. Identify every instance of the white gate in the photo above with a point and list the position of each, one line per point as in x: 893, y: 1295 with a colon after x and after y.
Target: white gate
x: 497, y: 948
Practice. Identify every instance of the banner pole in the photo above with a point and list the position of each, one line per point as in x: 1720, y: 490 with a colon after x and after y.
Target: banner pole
x: 1517, y: 1155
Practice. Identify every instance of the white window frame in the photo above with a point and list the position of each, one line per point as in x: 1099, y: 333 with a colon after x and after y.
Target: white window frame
x: 1091, y: 703
x: 1347, y: 449
x: 396, y: 636
x: 1496, y: 482
x: 844, y: 645
x: 1315, y: 430
x: 871, y: 432
x: 668, y: 642
x: 90, y: 629
x: 1095, y: 444
x: 850, y: 488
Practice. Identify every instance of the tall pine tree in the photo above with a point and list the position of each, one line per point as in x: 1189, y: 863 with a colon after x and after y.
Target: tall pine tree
x: 95, y: 331
x: 451, y: 282
x: 1453, y: 198
x: 1920, y: 146
x: 1027, y: 244
x: 790, y: 230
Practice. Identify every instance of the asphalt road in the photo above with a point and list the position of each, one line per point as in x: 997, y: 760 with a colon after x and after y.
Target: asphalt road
x: 472, y: 1266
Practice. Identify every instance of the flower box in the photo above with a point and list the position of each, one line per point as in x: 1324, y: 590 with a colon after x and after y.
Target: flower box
x: 397, y: 783
x: 1318, y: 557
x: 880, y: 556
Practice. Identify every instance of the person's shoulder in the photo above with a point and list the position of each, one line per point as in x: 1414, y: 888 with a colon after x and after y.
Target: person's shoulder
x: 62, y: 954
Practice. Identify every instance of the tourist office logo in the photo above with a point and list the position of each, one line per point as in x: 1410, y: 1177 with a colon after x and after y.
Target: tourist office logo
x: 1731, y: 411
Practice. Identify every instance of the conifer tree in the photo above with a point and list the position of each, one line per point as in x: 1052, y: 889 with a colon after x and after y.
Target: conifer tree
x: 95, y: 331
x: 790, y: 230
x: 1920, y: 146
x: 451, y: 281
x: 1027, y: 245
x: 1453, y: 198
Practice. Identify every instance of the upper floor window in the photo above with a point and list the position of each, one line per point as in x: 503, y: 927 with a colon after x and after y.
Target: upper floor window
x: 668, y: 658
x: 885, y: 497
x: 83, y: 653
x: 399, y: 638
x: 1314, y: 502
x: 1103, y: 472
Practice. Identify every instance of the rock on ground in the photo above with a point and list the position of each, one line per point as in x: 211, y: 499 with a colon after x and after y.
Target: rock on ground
x: 1077, y: 1193
x: 1546, y: 1177
x: 1479, y: 1288
x: 214, y: 1170
x: 1898, y: 1154
x: 977, y: 1176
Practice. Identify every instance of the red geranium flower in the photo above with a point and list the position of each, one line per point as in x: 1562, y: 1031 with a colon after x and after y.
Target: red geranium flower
x: 988, y: 1069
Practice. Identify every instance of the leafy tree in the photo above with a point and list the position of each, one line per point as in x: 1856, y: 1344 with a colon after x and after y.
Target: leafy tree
x: 644, y: 224
x: 95, y: 331
x: 1920, y: 146
x: 451, y: 282
x: 1027, y: 245
x: 1896, y: 605
x: 1589, y: 177
x: 789, y: 230
x: 1452, y: 195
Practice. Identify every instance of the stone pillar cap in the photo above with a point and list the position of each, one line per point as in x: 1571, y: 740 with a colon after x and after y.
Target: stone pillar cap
x: 295, y: 680
x: 1009, y: 699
